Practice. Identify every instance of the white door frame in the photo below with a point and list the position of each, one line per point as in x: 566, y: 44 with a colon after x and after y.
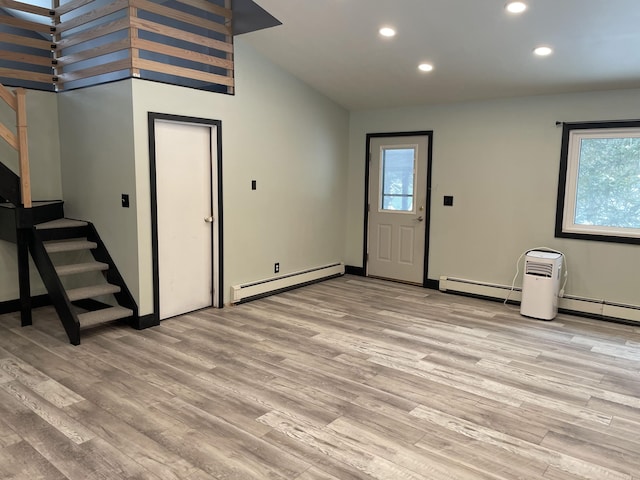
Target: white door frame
x: 216, y: 184
x: 426, y: 282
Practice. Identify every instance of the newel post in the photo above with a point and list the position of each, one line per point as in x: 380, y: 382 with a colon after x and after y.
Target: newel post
x: 23, y: 148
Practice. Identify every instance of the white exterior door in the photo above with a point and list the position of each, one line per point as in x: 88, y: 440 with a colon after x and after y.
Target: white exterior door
x: 397, y: 208
x: 184, y: 176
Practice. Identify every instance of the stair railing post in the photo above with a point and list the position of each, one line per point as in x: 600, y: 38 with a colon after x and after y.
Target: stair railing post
x: 24, y: 282
x: 23, y: 148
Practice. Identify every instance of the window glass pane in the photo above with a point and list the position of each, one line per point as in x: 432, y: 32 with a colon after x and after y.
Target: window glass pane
x: 398, y: 177
x: 608, y: 183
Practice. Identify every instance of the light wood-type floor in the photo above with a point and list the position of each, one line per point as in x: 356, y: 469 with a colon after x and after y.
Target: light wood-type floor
x: 348, y: 379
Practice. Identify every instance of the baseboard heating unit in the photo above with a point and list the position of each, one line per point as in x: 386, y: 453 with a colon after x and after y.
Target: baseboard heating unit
x: 569, y: 303
x: 261, y: 288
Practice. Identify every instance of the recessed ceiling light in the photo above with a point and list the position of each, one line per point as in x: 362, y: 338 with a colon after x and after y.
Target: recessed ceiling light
x: 387, y: 32
x: 516, y: 7
x: 425, y: 67
x: 543, y: 51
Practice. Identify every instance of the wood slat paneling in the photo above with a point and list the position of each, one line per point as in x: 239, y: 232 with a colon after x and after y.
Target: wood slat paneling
x: 209, y: 7
x: 143, y: 64
x: 25, y: 41
x: 93, y: 33
x: 65, y: 38
x: 94, y: 71
x: 25, y: 58
x: 181, y: 53
x: 25, y: 7
x: 181, y: 35
x: 29, y: 76
x: 180, y: 16
x: 26, y: 24
x: 94, y: 52
x: 70, y: 6
x: 92, y: 16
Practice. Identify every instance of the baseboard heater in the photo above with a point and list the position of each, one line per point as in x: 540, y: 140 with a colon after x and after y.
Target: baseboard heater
x: 569, y: 303
x: 262, y: 288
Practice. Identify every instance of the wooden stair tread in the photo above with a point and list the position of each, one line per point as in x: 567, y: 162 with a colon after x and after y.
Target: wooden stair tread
x: 91, y: 291
x: 55, y: 246
x: 75, y: 268
x: 96, y: 317
x: 61, y: 223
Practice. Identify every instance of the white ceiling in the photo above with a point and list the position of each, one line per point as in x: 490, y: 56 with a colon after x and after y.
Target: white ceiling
x: 478, y: 50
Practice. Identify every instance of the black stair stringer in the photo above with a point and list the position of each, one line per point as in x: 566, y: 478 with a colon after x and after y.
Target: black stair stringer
x: 113, y: 276
x: 54, y: 286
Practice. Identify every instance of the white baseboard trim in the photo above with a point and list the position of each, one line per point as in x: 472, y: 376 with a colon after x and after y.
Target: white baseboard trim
x: 571, y: 303
x: 261, y: 288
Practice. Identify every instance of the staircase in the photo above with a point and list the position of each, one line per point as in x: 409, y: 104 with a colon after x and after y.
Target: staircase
x: 81, y: 278
x: 83, y: 283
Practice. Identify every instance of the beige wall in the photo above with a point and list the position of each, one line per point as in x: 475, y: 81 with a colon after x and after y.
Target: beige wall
x: 44, y: 159
x: 96, y: 137
x: 279, y: 132
x: 500, y: 160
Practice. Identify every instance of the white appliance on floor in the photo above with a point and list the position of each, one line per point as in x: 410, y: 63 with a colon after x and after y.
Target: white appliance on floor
x: 541, y: 284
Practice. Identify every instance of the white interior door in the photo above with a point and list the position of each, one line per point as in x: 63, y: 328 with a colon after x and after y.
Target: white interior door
x: 397, y: 208
x: 184, y: 176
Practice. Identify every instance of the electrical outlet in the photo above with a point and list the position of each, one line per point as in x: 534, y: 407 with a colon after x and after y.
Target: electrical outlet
x: 276, y: 267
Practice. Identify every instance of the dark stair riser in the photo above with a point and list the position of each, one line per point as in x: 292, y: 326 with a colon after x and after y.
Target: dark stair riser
x: 39, y: 213
x: 13, y: 218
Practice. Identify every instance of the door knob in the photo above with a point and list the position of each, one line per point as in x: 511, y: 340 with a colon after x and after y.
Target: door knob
x: 420, y: 218
x: 209, y: 219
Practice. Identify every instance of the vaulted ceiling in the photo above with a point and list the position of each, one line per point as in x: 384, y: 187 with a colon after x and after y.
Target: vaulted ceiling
x: 477, y: 49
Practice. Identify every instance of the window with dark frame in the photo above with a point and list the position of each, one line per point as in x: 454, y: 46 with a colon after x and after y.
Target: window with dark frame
x: 599, y: 182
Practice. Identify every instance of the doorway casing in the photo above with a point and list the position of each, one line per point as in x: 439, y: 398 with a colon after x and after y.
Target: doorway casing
x: 217, y: 255
x: 426, y: 282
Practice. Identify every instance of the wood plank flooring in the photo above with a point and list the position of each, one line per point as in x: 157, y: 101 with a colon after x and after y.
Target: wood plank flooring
x: 348, y: 379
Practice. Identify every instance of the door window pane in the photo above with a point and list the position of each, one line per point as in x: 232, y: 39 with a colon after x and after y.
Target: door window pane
x: 398, y: 178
